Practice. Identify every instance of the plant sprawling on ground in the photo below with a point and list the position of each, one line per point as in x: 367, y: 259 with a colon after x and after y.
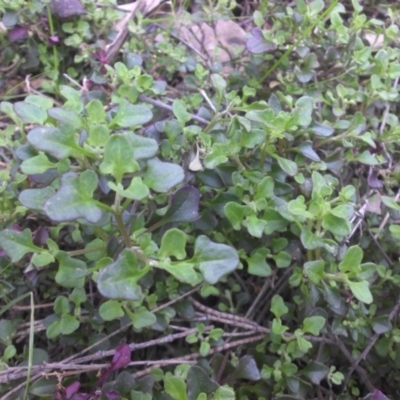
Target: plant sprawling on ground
x: 199, y: 200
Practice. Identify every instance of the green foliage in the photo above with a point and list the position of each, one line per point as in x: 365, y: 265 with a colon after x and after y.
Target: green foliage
x: 257, y: 220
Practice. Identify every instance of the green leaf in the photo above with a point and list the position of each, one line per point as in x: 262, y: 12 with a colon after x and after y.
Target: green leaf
x: 42, y: 259
x: 315, y: 372
x: 361, y: 291
x: 236, y: 213
x: 306, y: 149
x: 30, y: 113
x: 367, y: 158
x: 179, y: 110
x: 142, y: 318
x: 71, y: 272
x: 282, y: 259
x: 224, y: 393
x: 74, y: 98
x: 298, y: 208
x: 304, y: 345
x: 182, y: 271
x: 390, y: 202
x: 143, y: 147
x: 315, y: 270
x: 277, y: 327
x: 278, y: 307
x: 95, y: 113
x: 199, y: 382
x: 163, y: 176
x: 255, y: 226
x: 60, y: 144
x: 247, y: 369
x: 175, y: 387
x: 313, y: 325
x: 303, y: 111
x: 74, y: 199
x: 98, y: 135
x: 35, y: 199
x: 137, y: 190
x: 54, y: 329
x: 129, y: 115
x: 184, y: 205
x: 173, y: 243
x: 322, y: 130
x: 37, y: 165
x: 118, y: 157
x: 62, y: 306
x: 119, y: 280
x: 67, y: 117
x: 257, y: 264
x: 381, y: 324
x: 7, y: 329
x: 214, y: 259
x: 265, y: 188
x: 68, y: 324
x: 16, y: 244
x: 309, y: 240
x: 352, y: 260
x: 289, y: 166
x: 338, y: 226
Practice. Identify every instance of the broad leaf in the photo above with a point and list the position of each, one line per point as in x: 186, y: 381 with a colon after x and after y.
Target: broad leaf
x: 182, y: 271
x: 74, y: 199
x: 278, y: 307
x: 198, y: 382
x: 71, y: 271
x: 118, y: 157
x: 137, y: 190
x: 65, y: 116
x: 313, y: 325
x: 352, y: 259
x: 16, y: 244
x: 361, y: 291
x: 119, y: 280
x: 35, y: 199
x: 247, y: 369
x: 60, y: 144
x: 315, y: 372
x: 30, y: 113
x: 143, y: 147
x: 130, y: 115
x: 162, y: 176
x: 215, y: 260
x: 184, y: 205
x: 37, y: 165
x: 173, y: 243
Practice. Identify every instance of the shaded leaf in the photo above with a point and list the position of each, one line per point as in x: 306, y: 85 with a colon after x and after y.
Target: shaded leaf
x: 247, y: 369
x: 184, y: 205
x: 35, y: 199
x: 315, y: 372
x: 198, y: 382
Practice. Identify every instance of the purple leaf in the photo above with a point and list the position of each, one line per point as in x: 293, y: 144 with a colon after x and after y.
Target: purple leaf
x: 257, y: 44
x: 122, y: 357
x: 112, y: 395
x: 184, y: 205
x: 373, y: 179
x: 18, y: 33
x: 71, y: 390
x: 41, y: 235
x: 54, y: 40
x: 378, y: 395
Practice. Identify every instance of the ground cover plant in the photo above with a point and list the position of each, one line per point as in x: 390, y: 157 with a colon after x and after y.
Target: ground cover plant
x: 199, y: 200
